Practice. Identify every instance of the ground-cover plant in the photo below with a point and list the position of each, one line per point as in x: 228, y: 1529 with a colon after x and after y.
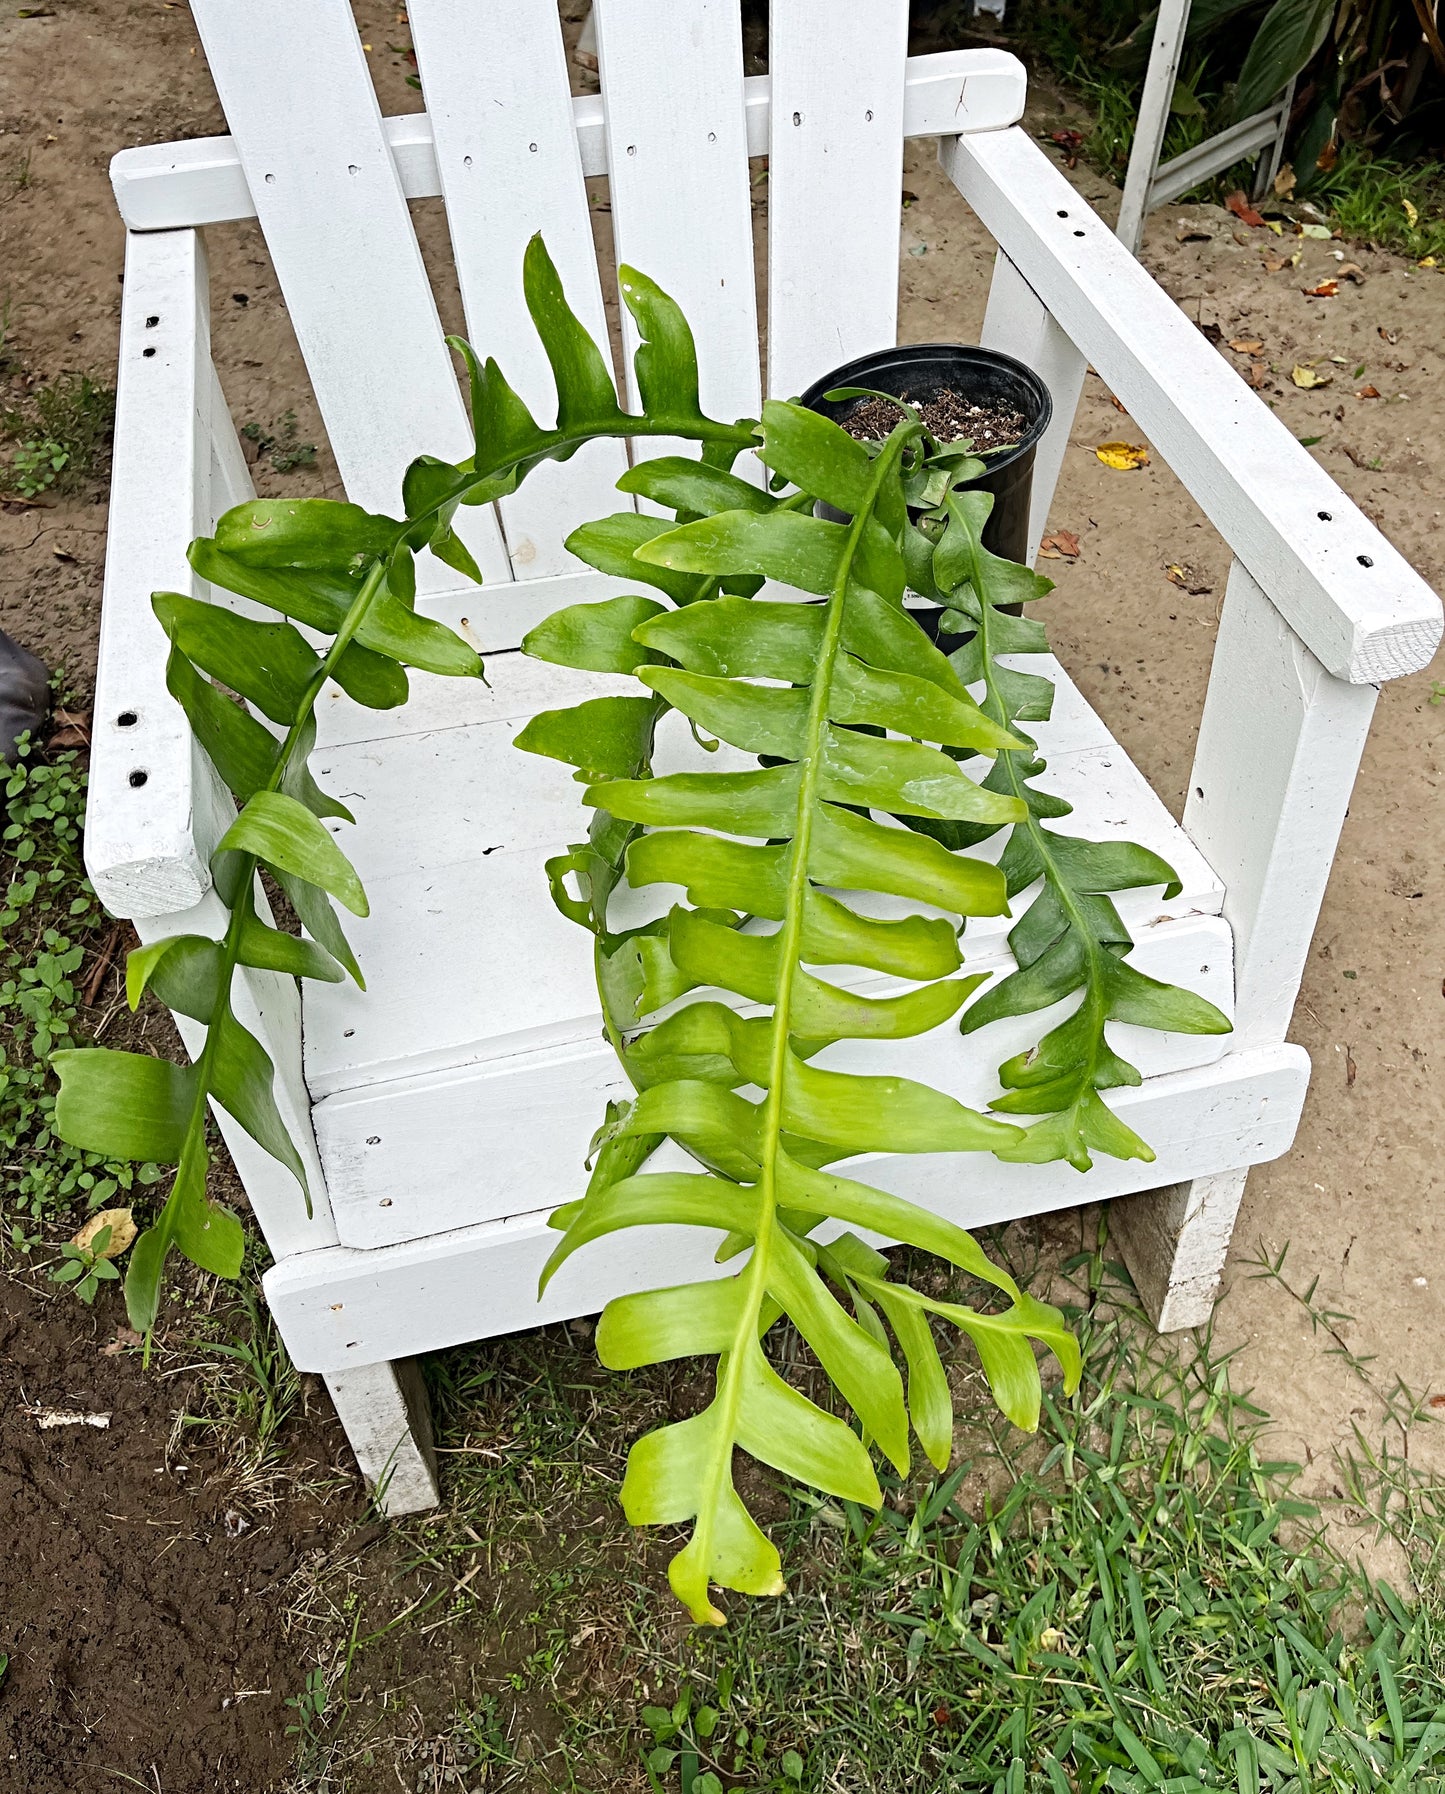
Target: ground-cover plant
x: 52, y: 935
x: 1137, y: 1602
x: 1365, y: 132
x: 835, y: 708
x: 57, y: 435
x: 930, y: 1645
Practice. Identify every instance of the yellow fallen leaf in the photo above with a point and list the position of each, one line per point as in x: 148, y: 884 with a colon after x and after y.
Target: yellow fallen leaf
x: 1309, y: 377
x: 1124, y: 457
x: 1275, y: 225
x: 122, y: 1232
x: 1410, y: 213
x: 1427, y: 261
x: 1245, y: 345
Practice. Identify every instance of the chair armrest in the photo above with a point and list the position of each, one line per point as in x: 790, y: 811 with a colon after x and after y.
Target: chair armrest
x: 155, y: 808
x: 1343, y: 588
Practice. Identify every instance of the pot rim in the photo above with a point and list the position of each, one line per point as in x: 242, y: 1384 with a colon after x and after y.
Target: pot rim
x: 847, y: 373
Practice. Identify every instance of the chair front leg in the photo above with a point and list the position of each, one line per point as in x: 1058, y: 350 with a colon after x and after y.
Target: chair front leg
x: 387, y: 1417
x: 1279, y: 746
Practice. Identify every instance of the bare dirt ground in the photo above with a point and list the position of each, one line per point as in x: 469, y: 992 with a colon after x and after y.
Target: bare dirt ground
x: 1357, y: 1200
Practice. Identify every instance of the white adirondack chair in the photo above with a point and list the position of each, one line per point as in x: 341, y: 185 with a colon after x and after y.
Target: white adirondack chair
x: 446, y: 1110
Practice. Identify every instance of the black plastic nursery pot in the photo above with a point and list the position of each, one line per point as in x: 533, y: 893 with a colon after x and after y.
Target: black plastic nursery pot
x: 920, y: 371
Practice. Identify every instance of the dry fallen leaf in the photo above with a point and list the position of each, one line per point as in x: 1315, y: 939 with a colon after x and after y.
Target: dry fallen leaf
x: 1351, y: 1070
x: 1309, y: 378
x: 1062, y: 545
x: 1242, y: 209
x: 1273, y: 263
x: 1118, y: 404
x: 124, y: 1336
x: 1410, y: 213
x: 122, y: 1232
x: 1188, y: 578
x: 1284, y: 181
x: 1325, y: 290
x: 1124, y: 457
x: 1437, y: 1402
x: 1193, y: 230
x: 1352, y: 271
x: 1245, y: 345
x: 1254, y: 375
x: 1390, y: 336
x: 1368, y: 392
x: 1321, y: 232
x: 1070, y: 142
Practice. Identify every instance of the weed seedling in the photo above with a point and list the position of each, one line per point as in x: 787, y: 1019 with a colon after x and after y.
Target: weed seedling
x: 86, y: 1267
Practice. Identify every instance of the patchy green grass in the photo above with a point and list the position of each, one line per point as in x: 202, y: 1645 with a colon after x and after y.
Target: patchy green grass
x: 1394, y: 204
x: 56, y: 436
x: 1133, y: 1601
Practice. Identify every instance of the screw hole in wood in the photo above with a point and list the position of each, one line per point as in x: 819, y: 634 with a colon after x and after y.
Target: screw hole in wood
x: 1364, y: 560
x: 127, y: 719
x: 138, y: 778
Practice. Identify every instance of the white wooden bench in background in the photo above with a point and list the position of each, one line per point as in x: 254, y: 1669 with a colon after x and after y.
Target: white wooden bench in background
x: 1150, y: 183
x: 445, y: 1111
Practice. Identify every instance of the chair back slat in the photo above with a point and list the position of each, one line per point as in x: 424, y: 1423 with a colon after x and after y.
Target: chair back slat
x: 672, y: 83
x: 496, y: 87
x: 299, y: 100
x: 835, y: 171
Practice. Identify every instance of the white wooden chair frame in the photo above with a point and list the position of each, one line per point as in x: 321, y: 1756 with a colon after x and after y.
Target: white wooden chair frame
x: 1320, y: 607
x: 1147, y: 184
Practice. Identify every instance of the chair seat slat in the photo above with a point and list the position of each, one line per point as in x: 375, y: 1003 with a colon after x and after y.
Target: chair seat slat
x: 303, y: 112
x: 496, y: 87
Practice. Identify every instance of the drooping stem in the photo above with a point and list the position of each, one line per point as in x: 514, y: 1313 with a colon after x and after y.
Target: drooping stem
x: 242, y: 909
x: 997, y: 705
